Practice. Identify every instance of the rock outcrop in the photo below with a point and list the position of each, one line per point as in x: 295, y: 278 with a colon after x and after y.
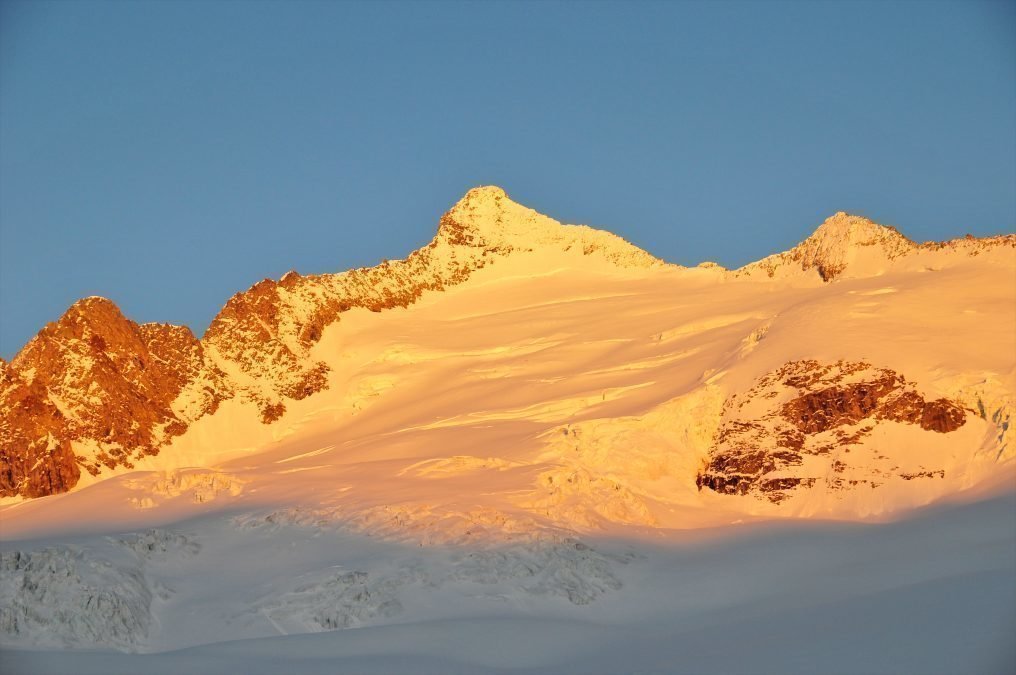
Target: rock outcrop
x: 36, y: 458
x: 97, y: 390
x: 806, y: 410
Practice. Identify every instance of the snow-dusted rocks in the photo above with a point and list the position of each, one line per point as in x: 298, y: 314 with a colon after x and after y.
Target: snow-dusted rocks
x: 97, y: 390
x: 810, y: 423
x: 840, y: 242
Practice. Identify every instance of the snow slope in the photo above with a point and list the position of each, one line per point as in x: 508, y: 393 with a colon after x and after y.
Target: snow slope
x: 623, y: 465
x: 931, y: 594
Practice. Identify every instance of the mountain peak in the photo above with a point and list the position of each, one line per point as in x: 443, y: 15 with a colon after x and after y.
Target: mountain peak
x: 487, y: 218
x: 484, y: 192
x: 842, y: 240
x: 92, y: 307
x: 481, y: 201
x: 119, y: 390
x: 479, y: 218
x: 844, y: 229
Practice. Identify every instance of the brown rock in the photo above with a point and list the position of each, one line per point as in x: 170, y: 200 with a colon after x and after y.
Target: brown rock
x: 116, y: 381
x: 749, y: 456
x: 35, y: 457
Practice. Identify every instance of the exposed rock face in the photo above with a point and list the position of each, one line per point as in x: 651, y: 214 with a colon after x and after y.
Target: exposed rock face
x: 842, y: 405
x: 97, y: 390
x: 36, y: 457
x: 100, y: 381
x: 806, y: 409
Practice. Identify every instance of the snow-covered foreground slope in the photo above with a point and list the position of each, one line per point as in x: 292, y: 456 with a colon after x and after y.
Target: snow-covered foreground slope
x: 569, y: 458
x: 931, y: 594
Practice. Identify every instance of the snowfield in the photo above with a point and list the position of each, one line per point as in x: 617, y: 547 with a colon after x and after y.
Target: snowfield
x: 567, y: 465
x: 934, y: 593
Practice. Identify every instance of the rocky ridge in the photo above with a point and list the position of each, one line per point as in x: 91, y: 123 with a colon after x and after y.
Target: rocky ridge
x: 96, y: 390
x: 263, y: 336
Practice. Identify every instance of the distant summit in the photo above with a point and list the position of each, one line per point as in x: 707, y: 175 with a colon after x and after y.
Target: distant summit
x: 849, y: 245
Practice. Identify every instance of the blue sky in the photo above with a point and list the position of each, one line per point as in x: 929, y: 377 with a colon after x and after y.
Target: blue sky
x: 167, y: 155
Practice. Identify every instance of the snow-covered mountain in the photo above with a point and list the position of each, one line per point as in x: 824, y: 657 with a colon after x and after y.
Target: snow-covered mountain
x: 95, y: 391
x: 120, y: 391
x: 506, y: 397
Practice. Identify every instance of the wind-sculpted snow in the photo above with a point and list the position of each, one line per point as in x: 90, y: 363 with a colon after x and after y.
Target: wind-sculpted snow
x: 158, y: 544
x: 929, y: 594
x: 550, y: 566
x: 115, y: 591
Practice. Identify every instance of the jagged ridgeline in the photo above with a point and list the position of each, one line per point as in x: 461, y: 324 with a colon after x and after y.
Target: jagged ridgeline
x: 94, y: 392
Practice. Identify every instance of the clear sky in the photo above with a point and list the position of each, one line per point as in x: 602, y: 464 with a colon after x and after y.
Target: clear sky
x: 167, y: 155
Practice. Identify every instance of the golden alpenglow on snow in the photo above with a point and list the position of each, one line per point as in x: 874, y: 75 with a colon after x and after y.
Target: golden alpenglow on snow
x: 524, y: 431
x: 486, y: 337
